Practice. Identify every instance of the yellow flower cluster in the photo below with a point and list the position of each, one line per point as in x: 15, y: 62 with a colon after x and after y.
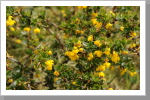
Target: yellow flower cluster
x: 82, y: 7
x: 90, y: 56
x: 73, y: 55
x: 96, y: 23
x: 106, y: 64
x: 56, y: 73
x: 107, y: 51
x: 27, y: 29
x: 49, y: 64
x: 9, y: 21
x: 90, y: 38
x: 100, y: 68
x: 94, y: 15
x: 36, y: 30
x: 132, y: 73
x: 97, y: 43
x: 98, y: 53
x: 122, y: 71
x: 103, y: 67
x: 109, y: 26
x: 79, y: 32
x: 114, y: 57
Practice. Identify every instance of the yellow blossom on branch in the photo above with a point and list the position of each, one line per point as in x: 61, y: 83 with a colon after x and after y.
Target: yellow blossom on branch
x: 90, y: 56
x: 27, y: 29
x: 98, y: 53
x: 108, y: 26
x: 107, y: 51
x: 90, y: 38
x: 49, y: 52
x: 106, y: 64
x: 36, y: 30
x: 115, y: 57
x: 97, y: 43
x: 101, y: 74
x: 56, y: 73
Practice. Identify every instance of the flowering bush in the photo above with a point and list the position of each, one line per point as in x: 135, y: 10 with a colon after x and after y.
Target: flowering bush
x: 72, y: 48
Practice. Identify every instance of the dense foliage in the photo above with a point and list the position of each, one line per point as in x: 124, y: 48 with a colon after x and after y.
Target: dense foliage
x: 73, y: 48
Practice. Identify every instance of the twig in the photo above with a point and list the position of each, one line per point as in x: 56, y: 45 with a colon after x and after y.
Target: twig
x: 14, y: 60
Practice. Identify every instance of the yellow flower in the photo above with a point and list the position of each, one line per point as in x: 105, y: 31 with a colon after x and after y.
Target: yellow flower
x: 10, y: 80
x: 62, y: 11
x: 12, y: 29
x: 132, y: 73
x: 90, y: 56
x: 115, y: 58
x: 82, y: 32
x: 106, y: 64
x: 112, y: 13
x: 49, y: 52
x: 72, y: 54
x: 9, y: 21
x: 133, y: 45
x: 122, y: 28
x: 81, y: 50
x: 94, y: 15
x: 18, y: 41
x: 78, y: 31
x: 110, y: 89
x: 124, y: 52
x: 97, y: 43
x: 55, y: 79
x: 98, y: 53
x: 132, y: 34
x: 64, y: 15
x: 90, y: 38
x: 77, y: 19
x: 36, y: 30
x: 98, y: 24
x: 82, y: 7
x: 49, y: 67
x: 78, y: 44
x: 94, y: 21
x: 36, y: 51
x: 49, y: 62
x: 122, y: 71
x: 74, y: 83
x: 56, y: 73
x: 100, y: 68
x: 107, y: 51
x: 101, y: 74
x: 27, y: 29
x: 109, y: 25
